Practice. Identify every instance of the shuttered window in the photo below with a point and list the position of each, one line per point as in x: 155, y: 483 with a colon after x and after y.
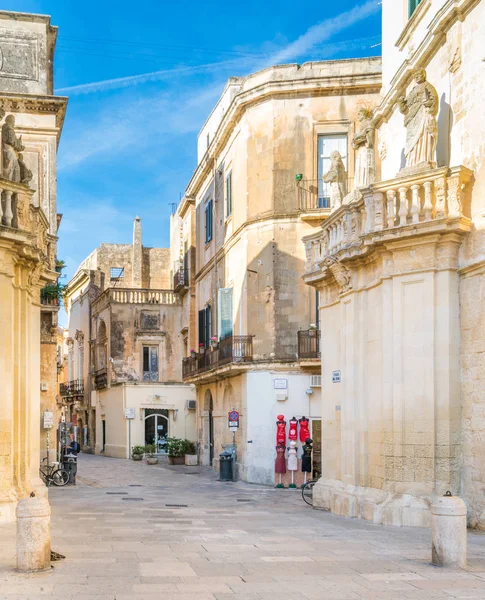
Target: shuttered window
x: 225, y: 313
x: 205, y: 326
x: 229, y: 194
x: 208, y: 222
x: 413, y: 5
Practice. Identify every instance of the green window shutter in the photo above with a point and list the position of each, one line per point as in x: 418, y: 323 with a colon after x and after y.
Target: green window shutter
x: 225, y: 313
x: 413, y: 5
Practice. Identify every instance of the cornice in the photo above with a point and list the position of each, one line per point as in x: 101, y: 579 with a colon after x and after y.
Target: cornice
x: 338, y: 85
x: 34, y: 104
x: 184, y: 206
x: 445, y: 18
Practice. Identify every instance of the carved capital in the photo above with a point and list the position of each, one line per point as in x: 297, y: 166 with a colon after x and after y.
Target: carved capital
x: 341, y: 274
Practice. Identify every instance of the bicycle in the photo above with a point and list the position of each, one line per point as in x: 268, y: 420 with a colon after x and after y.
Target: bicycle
x: 53, y: 474
x: 307, y: 491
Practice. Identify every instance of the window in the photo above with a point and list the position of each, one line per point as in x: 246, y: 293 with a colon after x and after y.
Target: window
x: 229, y: 194
x: 326, y: 145
x: 413, y: 5
x: 208, y: 222
x: 150, y: 363
x: 225, y: 313
x: 208, y: 140
x: 117, y: 273
x: 205, y: 326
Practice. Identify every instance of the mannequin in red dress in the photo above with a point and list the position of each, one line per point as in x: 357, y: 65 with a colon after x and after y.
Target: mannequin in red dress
x: 281, y: 430
x: 304, y: 429
x: 280, y: 463
x: 293, y: 432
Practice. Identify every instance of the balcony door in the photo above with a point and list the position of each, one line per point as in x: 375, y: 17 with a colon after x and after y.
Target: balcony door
x: 326, y: 145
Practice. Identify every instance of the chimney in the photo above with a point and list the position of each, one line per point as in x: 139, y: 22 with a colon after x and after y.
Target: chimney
x: 136, y: 279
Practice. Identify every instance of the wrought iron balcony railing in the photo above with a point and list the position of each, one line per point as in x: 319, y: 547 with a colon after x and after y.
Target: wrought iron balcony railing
x: 180, y: 279
x: 71, y: 389
x: 308, y: 344
x: 233, y: 349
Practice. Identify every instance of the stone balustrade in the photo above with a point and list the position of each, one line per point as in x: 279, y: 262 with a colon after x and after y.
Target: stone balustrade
x: 401, y: 207
x: 134, y: 296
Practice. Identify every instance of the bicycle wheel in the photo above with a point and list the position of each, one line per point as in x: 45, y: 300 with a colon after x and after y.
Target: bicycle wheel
x: 60, y: 477
x: 307, y: 492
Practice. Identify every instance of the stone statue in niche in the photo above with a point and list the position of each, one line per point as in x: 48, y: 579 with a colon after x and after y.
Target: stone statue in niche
x: 25, y: 173
x: 11, y: 146
x: 337, y: 178
x: 420, y: 109
x: 363, y: 144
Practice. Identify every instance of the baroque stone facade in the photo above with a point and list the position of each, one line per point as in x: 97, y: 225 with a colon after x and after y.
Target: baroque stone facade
x: 399, y: 272
x: 31, y: 122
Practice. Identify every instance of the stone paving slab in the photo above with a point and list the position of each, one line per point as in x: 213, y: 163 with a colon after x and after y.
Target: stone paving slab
x: 193, y: 538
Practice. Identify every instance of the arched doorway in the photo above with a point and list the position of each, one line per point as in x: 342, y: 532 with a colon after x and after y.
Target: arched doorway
x: 156, y: 428
x: 209, y: 408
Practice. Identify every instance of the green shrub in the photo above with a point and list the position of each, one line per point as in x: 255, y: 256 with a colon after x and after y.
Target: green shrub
x: 138, y: 450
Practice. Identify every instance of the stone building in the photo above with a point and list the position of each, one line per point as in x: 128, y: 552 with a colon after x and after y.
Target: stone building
x: 400, y: 270
x: 31, y: 124
x: 125, y: 349
x: 252, y: 342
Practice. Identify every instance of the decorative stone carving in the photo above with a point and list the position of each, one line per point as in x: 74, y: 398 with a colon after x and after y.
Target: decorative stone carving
x: 363, y: 144
x: 11, y: 146
x: 420, y: 109
x: 341, y: 273
x: 336, y: 177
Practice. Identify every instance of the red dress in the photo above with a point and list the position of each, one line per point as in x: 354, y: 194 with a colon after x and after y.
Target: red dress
x: 281, y: 430
x: 293, y: 432
x: 304, y: 429
x: 280, y: 462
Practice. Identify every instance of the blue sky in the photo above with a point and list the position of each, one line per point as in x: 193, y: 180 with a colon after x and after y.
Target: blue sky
x: 129, y: 141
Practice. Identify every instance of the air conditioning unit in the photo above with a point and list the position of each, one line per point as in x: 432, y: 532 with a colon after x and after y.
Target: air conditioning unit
x: 315, y: 381
x: 191, y: 404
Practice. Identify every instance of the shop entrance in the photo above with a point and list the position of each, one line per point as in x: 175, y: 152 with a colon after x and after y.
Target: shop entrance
x: 317, y: 448
x: 156, y: 428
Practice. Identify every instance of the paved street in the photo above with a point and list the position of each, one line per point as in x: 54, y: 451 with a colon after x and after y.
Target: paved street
x: 136, y: 532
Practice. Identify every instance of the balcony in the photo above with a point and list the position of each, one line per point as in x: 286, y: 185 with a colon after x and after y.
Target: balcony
x: 314, y: 198
x: 72, y: 389
x: 101, y: 378
x: 134, y: 296
x: 235, y: 349
x: 435, y: 201
x: 181, y: 280
x: 309, y: 344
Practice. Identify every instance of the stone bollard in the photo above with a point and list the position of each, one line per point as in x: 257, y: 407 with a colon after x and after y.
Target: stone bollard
x: 33, y: 534
x: 448, y: 531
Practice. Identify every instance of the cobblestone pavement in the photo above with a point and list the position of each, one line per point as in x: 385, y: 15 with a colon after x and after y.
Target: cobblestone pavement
x: 136, y: 532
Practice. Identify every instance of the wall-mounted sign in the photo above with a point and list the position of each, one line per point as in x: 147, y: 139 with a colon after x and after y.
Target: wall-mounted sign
x: 280, y: 384
x: 336, y: 377
x: 48, y: 419
x: 129, y: 413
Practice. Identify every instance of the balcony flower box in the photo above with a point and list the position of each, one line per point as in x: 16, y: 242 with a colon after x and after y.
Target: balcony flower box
x: 214, y: 343
x: 193, y: 354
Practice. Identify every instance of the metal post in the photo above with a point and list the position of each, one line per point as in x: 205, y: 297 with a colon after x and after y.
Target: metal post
x: 234, y: 456
x: 47, y: 440
x: 129, y: 438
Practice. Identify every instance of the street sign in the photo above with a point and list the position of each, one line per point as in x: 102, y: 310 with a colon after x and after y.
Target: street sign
x: 233, y: 419
x: 129, y: 413
x: 48, y: 419
x: 280, y: 384
x: 233, y: 429
x: 336, y: 377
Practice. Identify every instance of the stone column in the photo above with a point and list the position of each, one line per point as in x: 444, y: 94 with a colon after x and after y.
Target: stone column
x: 448, y: 530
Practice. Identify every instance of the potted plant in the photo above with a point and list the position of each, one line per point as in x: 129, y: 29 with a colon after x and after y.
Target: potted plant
x: 137, y: 452
x: 214, y: 342
x: 193, y: 353
x: 50, y: 294
x: 313, y: 330
x: 176, y: 451
x: 151, y: 454
x: 190, y: 454
x: 60, y: 264
x: 201, y: 348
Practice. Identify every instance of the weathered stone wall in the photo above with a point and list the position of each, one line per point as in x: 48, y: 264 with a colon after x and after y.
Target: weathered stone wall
x: 156, y: 268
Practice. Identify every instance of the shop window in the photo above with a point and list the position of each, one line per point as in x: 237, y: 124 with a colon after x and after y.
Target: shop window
x: 413, y: 5
x: 326, y: 145
x: 150, y: 363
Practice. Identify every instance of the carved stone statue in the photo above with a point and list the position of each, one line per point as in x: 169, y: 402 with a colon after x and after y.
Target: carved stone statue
x: 25, y: 173
x: 337, y: 178
x: 363, y: 144
x: 11, y: 146
x: 420, y: 109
